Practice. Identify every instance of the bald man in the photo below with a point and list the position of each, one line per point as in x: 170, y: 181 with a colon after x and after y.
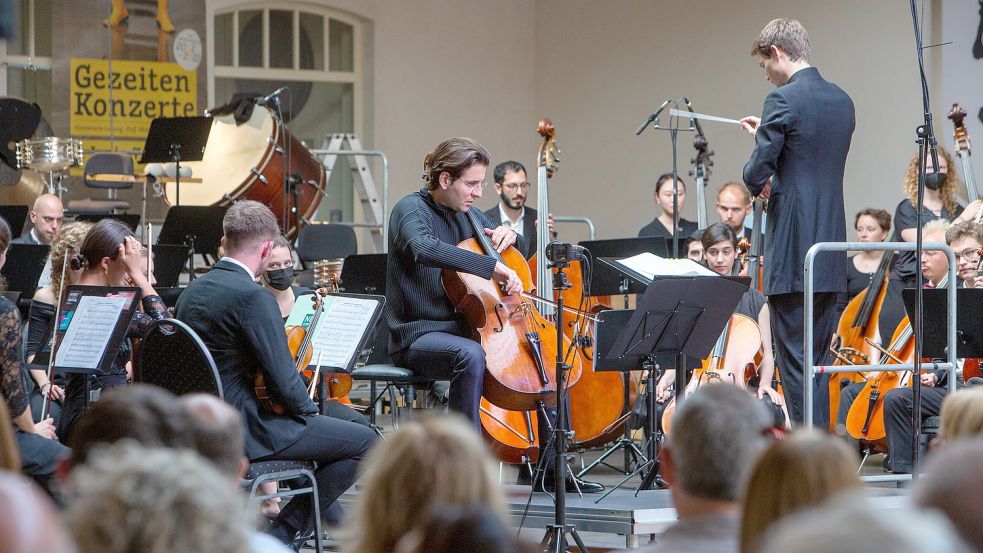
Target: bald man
x: 30, y: 522
x: 46, y: 218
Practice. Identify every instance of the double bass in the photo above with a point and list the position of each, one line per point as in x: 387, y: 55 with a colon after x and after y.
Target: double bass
x: 854, y: 342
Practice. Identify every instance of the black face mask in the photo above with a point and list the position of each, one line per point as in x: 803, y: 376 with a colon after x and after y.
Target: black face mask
x: 934, y: 181
x: 280, y: 279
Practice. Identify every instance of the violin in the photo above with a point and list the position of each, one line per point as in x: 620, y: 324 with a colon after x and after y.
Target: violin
x: 299, y: 340
x: 853, y: 342
x: 734, y: 360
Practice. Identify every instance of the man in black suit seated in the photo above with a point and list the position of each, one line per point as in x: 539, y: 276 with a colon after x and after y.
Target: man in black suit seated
x: 801, y: 144
x: 512, y: 186
x: 240, y: 323
x: 46, y: 217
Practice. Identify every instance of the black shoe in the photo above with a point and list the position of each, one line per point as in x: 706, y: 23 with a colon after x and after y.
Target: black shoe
x: 574, y: 484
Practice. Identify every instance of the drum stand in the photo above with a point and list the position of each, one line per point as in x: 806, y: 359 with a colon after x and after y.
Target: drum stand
x: 53, y: 183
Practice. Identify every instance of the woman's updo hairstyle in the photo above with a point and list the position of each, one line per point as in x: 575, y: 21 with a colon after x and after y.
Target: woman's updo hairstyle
x: 102, y: 240
x: 454, y: 156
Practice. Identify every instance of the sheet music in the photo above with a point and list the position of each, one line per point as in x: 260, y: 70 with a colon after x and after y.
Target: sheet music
x: 89, y: 331
x: 340, y: 329
x: 650, y: 266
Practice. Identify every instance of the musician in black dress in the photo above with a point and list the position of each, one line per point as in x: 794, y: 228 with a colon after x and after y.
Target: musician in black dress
x: 111, y: 256
x: 872, y: 225
x: 662, y: 225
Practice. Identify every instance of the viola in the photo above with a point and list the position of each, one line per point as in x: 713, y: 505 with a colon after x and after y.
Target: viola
x: 865, y: 420
x: 734, y: 359
x: 856, y: 333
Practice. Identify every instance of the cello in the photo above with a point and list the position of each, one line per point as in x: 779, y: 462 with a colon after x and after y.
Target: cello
x: 855, y: 337
x: 520, y: 344
x: 865, y: 420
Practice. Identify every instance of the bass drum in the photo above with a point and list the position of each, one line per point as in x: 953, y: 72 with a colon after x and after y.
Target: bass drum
x: 246, y: 162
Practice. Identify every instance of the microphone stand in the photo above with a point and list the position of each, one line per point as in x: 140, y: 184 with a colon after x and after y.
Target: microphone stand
x: 673, y: 129
x: 926, y: 147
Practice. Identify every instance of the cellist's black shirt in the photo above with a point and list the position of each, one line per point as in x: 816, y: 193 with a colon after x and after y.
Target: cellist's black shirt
x: 423, y: 238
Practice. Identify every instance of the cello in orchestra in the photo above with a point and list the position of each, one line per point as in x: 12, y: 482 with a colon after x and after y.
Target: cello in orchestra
x: 960, y: 137
x: 857, y: 333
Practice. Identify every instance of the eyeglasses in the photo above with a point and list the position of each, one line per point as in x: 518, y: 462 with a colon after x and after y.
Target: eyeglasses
x: 476, y: 185
x: 513, y: 186
x: 970, y: 255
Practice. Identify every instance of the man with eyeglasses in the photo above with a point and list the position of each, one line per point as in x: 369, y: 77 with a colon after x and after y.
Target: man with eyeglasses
x: 966, y: 239
x: 512, y: 187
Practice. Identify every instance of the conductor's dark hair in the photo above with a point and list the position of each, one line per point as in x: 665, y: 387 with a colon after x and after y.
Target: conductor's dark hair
x: 718, y: 232
x: 507, y: 167
x: 667, y: 177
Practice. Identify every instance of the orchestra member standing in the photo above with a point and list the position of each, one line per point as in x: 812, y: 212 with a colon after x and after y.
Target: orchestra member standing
x: 801, y: 144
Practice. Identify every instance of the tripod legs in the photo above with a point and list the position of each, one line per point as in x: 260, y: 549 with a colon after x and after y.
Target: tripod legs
x: 555, y: 539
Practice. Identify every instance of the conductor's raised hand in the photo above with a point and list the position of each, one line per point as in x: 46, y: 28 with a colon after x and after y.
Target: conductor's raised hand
x: 750, y: 124
x: 502, y: 237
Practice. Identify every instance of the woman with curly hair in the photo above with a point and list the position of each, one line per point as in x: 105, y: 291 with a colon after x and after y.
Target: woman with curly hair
x: 42, y: 314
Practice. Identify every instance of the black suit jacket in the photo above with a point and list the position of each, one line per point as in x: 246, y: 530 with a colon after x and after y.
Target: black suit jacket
x: 240, y: 323
x: 25, y: 238
x: 528, y: 229
x: 803, y: 141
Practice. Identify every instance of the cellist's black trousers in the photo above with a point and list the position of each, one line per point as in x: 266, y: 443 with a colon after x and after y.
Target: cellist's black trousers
x: 787, y: 318
x: 898, y: 413
x: 444, y: 356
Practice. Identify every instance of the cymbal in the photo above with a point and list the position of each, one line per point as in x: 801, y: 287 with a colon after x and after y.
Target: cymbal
x: 25, y: 191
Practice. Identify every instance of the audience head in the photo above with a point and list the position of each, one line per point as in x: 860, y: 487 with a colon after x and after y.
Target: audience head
x: 248, y: 231
x: 934, y: 264
x: 511, y: 184
x: 66, y: 245
x: 278, y: 274
x: 962, y: 415
x: 694, y: 245
x: 717, y: 433
x: 663, y: 193
x: 30, y: 523
x: 435, y: 462
x: 947, y: 191
x: 147, y: 415
x: 720, y: 248
x: 797, y: 473
x: 217, y: 432
x: 46, y: 217
x: 953, y: 485
x: 872, y: 225
x: 848, y: 524
x: 474, y: 529
x: 129, y: 498
x: 100, y: 251
x: 965, y: 239
x: 733, y: 204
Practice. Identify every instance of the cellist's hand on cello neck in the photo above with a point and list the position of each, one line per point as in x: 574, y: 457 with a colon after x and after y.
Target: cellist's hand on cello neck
x: 508, y: 278
x: 502, y: 237
x: 774, y: 396
x: 662, y: 388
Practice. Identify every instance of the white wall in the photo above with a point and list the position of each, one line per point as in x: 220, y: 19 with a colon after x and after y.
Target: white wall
x: 490, y: 70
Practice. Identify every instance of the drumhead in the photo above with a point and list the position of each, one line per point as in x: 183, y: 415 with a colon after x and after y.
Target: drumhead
x: 230, y: 156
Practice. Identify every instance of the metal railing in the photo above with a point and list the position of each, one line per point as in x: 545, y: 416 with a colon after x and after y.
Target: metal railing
x: 575, y: 219
x: 810, y: 370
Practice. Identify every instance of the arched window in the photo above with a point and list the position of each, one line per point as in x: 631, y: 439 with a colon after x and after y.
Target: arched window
x: 314, y: 51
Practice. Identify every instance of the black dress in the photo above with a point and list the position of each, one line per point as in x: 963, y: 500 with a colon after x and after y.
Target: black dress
x: 153, y: 309
x: 856, y: 280
x: 657, y: 229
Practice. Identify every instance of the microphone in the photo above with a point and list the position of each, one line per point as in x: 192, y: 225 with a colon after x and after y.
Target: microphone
x: 269, y: 97
x: 560, y: 252
x: 652, y: 117
x: 693, y: 120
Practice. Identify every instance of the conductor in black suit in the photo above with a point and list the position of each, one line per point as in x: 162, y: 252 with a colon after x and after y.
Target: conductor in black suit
x: 512, y: 186
x: 801, y: 144
x: 240, y: 323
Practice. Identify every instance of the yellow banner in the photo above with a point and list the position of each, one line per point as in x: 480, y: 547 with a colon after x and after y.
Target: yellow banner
x: 141, y: 92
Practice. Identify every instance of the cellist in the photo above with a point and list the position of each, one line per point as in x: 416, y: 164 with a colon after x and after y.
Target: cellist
x: 720, y: 253
x: 425, y: 333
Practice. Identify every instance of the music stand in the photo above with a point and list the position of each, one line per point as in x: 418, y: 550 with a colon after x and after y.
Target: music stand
x: 364, y: 273
x: 131, y: 220
x: 169, y: 260
x: 608, y: 280
x: 678, y: 316
x: 197, y: 227
x: 16, y: 216
x: 935, y: 324
x: 176, y: 139
x: 25, y: 263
